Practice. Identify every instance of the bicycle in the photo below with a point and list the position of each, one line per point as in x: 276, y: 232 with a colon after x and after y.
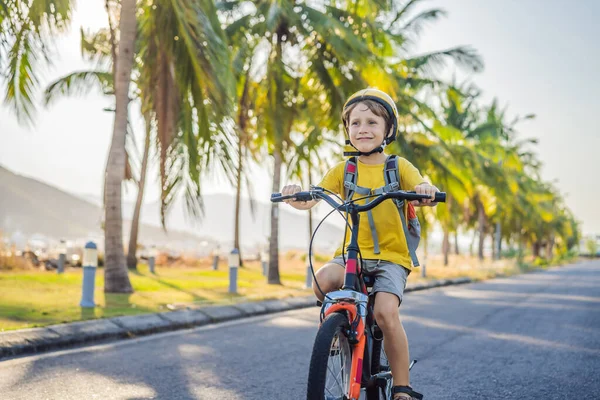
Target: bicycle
x: 348, y: 336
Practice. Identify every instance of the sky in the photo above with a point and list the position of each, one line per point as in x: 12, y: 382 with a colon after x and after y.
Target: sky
x: 541, y: 57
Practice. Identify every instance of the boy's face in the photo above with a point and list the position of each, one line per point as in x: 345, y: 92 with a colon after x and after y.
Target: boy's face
x: 366, y: 129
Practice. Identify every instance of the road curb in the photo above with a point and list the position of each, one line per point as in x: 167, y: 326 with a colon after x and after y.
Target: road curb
x: 53, y: 337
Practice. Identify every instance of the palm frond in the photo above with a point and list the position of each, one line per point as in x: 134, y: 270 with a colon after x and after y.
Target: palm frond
x: 78, y: 83
x: 415, y: 25
x: 96, y: 47
x: 22, y: 76
x: 465, y: 57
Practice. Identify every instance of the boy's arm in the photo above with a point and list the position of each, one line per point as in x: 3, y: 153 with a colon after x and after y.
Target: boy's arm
x: 412, y: 178
x: 331, y: 181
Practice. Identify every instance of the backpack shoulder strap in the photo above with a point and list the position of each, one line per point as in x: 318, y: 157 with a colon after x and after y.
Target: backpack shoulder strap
x: 350, y: 177
x: 391, y: 173
x: 392, y: 178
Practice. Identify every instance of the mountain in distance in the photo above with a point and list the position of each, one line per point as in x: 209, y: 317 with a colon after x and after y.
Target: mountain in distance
x: 218, y: 223
x: 30, y: 207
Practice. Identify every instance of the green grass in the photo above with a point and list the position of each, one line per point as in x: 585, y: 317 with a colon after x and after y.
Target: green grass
x: 36, y: 298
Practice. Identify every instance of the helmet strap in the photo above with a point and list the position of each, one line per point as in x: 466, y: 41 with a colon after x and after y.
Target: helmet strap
x: 356, y: 153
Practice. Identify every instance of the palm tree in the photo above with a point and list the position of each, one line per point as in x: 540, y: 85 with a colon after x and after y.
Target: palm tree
x: 185, y: 121
x: 306, y: 160
x: 458, y: 117
x: 342, y: 49
x: 407, y: 78
x: 115, y: 270
x: 287, y: 29
x: 507, y: 186
x: 248, y: 143
x: 186, y: 81
x: 27, y: 30
x: 141, y: 183
x: 100, y: 47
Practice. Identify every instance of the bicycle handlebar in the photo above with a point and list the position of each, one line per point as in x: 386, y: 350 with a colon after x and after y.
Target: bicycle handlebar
x: 318, y: 193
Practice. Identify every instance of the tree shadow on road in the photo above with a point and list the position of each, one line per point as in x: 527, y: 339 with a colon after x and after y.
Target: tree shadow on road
x: 470, y: 340
x: 244, y: 360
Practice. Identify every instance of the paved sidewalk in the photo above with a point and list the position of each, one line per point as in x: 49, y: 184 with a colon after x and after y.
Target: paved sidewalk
x: 28, y: 341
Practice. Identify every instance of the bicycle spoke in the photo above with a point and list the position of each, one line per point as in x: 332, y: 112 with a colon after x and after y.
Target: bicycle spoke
x: 335, y: 384
x: 336, y: 376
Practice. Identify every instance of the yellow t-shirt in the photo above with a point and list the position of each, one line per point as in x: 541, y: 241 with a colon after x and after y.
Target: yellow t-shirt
x: 392, y: 243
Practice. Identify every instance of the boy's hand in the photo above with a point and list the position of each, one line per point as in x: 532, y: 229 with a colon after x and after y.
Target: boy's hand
x: 289, y: 190
x: 426, y: 188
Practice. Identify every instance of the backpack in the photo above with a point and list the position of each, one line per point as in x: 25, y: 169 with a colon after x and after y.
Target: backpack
x: 412, y: 229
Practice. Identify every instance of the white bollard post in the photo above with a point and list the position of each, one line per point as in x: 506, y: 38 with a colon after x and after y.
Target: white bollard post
x: 152, y: 259
x: 62, y: 257
x: 234, y: 263
x: 264, y: 262
x: 90, y: 262
x: 309, y: 277
x: 151, y: 262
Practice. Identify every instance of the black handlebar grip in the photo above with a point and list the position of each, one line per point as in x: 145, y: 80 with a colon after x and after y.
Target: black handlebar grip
x: 275, y: 198
x: 440, y: 197
x: 299, y: 196
x: 304, y: 196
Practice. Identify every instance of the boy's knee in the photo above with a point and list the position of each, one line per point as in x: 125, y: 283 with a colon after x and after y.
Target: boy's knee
x: 386, y: 309
x: 328, y: 280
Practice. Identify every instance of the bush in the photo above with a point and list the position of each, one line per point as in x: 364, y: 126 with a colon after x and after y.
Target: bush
x: 510, y: 253
x: 12, y: 262
x: 540, y: 262
x: 592, y: 247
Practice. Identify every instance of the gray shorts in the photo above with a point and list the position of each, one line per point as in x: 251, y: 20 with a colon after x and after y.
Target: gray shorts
x: 389, y: 277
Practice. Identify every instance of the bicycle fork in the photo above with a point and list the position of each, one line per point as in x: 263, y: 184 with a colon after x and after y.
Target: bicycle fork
x: 354, y: 307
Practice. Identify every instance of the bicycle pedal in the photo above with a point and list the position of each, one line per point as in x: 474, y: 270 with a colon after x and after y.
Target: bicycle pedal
x: 382, y: 375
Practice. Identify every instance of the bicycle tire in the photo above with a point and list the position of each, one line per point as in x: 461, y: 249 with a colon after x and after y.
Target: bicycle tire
x: 333, y: 326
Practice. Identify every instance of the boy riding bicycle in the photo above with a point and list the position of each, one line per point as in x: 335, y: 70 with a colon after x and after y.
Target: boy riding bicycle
x: 370, y: 120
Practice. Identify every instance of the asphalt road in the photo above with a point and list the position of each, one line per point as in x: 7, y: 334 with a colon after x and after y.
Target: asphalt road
x: 534, y: 336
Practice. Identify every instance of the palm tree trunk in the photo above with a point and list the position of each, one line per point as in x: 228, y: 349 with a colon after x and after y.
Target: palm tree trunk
x: 238, y: 192
x: 135, y: 222
x: 521, y: 239
x: 446, y: 245
x: 549, y: 248
x: 116, y: 279
x: 500, y: 243
x: 472, y: 242
x: 536, y: 248
x: 456, y: 243
x: 242, y: 118
x: 497, y: 235
x: 481, y: 220
x: 273, y: 277
x: 494, y: 253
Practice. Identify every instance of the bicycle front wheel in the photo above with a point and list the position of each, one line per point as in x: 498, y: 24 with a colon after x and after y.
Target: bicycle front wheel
x: 329, y: 373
